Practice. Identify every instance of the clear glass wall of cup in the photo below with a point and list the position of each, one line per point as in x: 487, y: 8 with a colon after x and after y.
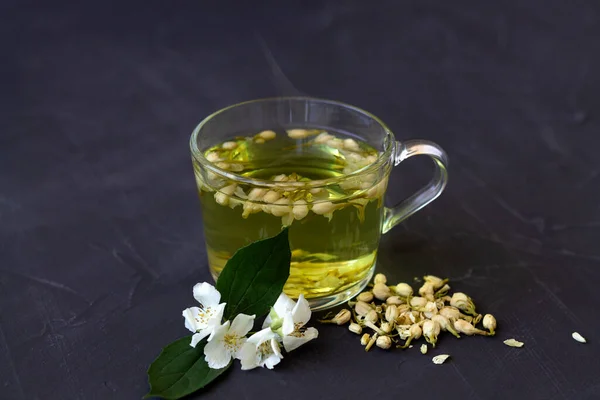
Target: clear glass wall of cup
x: 318, y: 166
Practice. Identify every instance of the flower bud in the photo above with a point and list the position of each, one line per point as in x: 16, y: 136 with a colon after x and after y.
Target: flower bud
x: 403, y: 290
x: 414, y: 333
x: 418, y: 302
x: 442, y: 291
x: 430, y: 309
x: 384, y: 342
x: 452, y: 313
x: 423, y: 348
x: 489, y: 323
x: 431, y: 330
x: 395, y: 300
x: 355, y: 328
x: 372, y: 316
x: 426, y: 291
x: 445, y: 324
x: 465, y: 327
x: 380, y: 278
x: 362, y: 308
x: 435, y: 282
x: 342, y: 317
x: 381, y: 291
x: 364, y: 339
x: 371, y: 342
x: 402, y: 308
x: 367, y: 297
x: 387, y: 327
x: 391, y: 313
x: 463, y: 303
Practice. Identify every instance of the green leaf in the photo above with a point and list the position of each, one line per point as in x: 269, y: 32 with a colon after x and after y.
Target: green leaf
x: 180, y: 369
x: 253, y: 278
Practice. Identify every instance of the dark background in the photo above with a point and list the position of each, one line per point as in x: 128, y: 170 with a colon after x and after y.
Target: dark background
x: 100, y: 229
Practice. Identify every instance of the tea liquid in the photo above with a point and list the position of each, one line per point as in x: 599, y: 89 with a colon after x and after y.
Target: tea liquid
x: 334, y: 231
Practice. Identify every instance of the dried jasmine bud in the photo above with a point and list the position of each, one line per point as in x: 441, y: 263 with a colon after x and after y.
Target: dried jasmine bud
x: 387, y: 327
x: 367, y: 297
x: 435, y: 282
x: 431, y: 330
x: 440, y: 304
x: 489, y: 323
x: 391, y: 313
x: 402, y: 308
x: 362, y: 308
x: 371, y: 342
x: 380, y: 278
x: 443, y: 291
x: 355, y: 328
x: 453, y: 313
x: 395, y: 300
x: 465, y: 327
x: 381, y: 291
x: 427, y: 291
x: 445, y: 324
x: 403, y: 290
x: 575, y: 336
x: 229, y: 145
x: 372, y: 316
x: 342, y: 317
x: 384, y: 342
x: 414, y: 333
x: 463, y: 303
x: 430, y: 309
x: 440, y: 359
x: 418, y: 302
x: 513, y: 343
x: 423, y: 348
x: 365, y: 339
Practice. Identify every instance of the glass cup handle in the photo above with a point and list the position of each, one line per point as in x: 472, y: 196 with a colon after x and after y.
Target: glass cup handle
x: 393, y: 216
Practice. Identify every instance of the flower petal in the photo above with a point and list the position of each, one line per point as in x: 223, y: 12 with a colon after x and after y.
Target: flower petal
x: 249, y: 356
x: 197, y: 337
x: 190, y: 321
x: 261, y: 336
x: 206, y: 294
x: 288, y: 326
x: 293, y: 342
x: 301, y: 312
x: 276, y: 348
x: 242, y: 324
x: 271, y: 361
x: 216, y: 354
x: 283, y: 305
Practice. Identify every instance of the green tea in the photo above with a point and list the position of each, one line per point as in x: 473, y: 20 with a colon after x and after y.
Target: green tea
x: 334, y: 228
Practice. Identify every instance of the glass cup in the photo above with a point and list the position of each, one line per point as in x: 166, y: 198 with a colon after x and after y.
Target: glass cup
x: 318, y: 166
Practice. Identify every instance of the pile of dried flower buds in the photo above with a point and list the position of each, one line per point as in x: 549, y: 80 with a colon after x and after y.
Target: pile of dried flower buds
x: 394, y: 315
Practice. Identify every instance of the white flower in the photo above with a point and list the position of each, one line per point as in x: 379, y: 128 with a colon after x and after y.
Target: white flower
x: 227, y: 341
x: 288, y: 318
x: 204, y: 319
x: 260, y: 350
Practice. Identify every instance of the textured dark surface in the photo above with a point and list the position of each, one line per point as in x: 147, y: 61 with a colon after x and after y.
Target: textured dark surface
x: 100, y: 229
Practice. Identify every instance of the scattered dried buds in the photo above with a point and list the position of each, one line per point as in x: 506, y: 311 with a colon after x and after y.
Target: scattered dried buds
x: 393, y: 311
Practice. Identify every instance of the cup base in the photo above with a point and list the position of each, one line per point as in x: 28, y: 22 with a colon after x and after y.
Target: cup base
x: 327, y: 302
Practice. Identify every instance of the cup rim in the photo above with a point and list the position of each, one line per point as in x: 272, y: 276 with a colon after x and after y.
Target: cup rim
x: 373, y: 167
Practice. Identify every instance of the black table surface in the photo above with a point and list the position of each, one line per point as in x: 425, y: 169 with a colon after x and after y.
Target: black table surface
x: 101, y: 234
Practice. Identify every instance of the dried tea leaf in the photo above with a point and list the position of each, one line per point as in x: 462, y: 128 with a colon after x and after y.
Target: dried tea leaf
x: 513, y: 343
x: 578, y: 337
x: 440, y: 359
x: 423, y: 348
